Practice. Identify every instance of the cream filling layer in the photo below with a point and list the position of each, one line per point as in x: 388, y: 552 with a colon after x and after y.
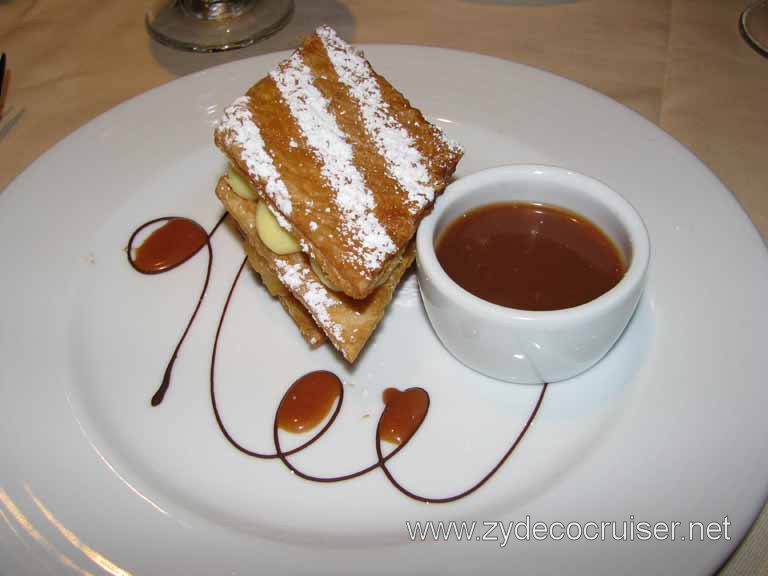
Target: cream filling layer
x: 277, y: 238
x: 274, y: 236
x: 240, y: 184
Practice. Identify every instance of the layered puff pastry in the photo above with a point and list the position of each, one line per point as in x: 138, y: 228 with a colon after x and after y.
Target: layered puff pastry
x: 348, y: 168
x: 317, y: 310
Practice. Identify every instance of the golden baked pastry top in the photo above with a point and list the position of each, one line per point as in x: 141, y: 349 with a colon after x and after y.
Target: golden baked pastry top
x: 341, y: 158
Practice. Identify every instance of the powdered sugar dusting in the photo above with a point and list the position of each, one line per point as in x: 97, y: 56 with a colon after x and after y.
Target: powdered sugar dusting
x: 353, y: 198
x: 280, y: 219
x: 314, y: 295
x: 404, y: 162
x: 238, y: 127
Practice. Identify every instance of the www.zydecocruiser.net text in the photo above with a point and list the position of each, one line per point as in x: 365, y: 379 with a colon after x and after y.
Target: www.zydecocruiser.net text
x: 631, y: 530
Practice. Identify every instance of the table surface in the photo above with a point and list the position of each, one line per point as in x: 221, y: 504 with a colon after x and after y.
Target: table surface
x: 682, y: 64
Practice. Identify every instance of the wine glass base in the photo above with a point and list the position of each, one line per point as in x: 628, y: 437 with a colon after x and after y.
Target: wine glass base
x: 753, y: 25
x: 174, y: 26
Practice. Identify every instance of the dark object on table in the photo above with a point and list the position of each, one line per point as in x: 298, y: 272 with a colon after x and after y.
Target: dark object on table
x: 753, y: 25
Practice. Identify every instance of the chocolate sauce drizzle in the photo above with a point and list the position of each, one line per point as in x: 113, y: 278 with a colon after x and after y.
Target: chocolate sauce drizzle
x: 312, y: 398
x: 185, y: 238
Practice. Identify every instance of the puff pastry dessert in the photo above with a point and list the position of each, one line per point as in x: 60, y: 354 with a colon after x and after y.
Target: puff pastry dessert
x: 345, y: 168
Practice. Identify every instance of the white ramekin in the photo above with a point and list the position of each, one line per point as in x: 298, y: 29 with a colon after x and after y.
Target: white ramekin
x: 526, y: 346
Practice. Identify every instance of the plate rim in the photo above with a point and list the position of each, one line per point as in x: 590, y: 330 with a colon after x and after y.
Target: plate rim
x: 15, y: 188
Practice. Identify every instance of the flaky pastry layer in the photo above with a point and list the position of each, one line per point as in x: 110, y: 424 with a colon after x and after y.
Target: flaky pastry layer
x: 341, y: 157
x: 348, y: 323
x: 307, y: 326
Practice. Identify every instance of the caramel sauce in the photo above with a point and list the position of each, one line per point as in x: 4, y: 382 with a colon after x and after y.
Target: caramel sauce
x: 529, y: 256
x: 311, y: 398
x: 308, y: 401
x: 171, y: 244
x: 403, y: 413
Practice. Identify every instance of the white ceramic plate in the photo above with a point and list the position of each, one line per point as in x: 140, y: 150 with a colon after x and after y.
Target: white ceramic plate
x: 670, y: 427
